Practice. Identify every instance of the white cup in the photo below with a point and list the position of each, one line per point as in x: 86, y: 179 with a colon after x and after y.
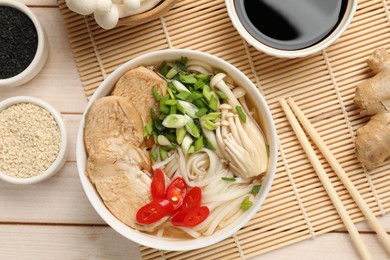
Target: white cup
x: 42, y: 49
x: 254, y: 37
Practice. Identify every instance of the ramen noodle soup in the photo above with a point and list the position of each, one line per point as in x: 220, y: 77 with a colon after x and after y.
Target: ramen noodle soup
x: 176, y: 150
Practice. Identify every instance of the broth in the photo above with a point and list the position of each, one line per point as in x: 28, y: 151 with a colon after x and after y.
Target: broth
x: 290, y: 24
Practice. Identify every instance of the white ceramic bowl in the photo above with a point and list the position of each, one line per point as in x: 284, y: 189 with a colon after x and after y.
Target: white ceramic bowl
x: 317, y: 47
x: 155, y: 58
x: 42, y: 49
x: 64, y: 147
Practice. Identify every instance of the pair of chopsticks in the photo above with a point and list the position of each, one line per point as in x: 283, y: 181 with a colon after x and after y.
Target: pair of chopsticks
x: 290, y: 108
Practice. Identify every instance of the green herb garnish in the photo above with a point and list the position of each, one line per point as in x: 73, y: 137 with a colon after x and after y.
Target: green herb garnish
x: 246, y: 203
x: 229, y: 179
x: 255, y: 189
x: 241, y: 114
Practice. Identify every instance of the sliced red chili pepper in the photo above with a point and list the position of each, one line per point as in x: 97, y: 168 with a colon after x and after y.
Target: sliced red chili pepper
x: 191, y: 216
x: 157, y: 187
x: 178, y: 219
x: 150, y: 213
x: 167, y: 205
x: 192, y: 198
x: 176, y: 192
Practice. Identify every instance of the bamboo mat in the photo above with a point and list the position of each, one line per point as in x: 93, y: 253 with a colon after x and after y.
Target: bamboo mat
x: 323, y: 85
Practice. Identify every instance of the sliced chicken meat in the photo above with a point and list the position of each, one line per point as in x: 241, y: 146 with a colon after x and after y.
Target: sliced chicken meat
x: 116, y: 170
x: 112, y: 116
x: 137, y: 85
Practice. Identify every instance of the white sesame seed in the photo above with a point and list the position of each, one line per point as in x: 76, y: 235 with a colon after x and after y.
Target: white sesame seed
x: 30, y: 140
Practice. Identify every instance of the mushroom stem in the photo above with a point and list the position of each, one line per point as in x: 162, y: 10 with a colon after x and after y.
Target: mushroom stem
x: 248, y: 136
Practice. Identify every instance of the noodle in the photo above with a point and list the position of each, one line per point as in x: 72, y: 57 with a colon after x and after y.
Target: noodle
x: 216, y: 171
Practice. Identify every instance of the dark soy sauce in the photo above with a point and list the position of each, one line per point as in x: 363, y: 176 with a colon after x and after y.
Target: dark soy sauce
x: 290, y: 24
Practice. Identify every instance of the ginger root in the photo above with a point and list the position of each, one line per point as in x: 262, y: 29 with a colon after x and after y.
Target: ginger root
x: 373, y: 141
x: 373, y: 97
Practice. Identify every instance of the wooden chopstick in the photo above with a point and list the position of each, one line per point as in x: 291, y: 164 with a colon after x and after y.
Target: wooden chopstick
x: 374, y: 223
x: 358, y: 242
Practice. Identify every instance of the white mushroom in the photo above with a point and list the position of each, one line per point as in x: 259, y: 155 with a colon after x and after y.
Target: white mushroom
x: 242, y: 144
x: 145, y: 6
x: 109, y: 19
x: 132, y: 4
x: 103, y: 6
x: 84, y: 7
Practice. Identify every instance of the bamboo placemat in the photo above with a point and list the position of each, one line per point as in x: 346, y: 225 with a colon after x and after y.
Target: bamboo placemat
x: 323, y: 85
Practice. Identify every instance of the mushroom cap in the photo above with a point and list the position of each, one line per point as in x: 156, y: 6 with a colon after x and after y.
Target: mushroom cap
x: 103, y: 6
x: 109, y: 19
x: 132, y: 4
x: 84, y: 7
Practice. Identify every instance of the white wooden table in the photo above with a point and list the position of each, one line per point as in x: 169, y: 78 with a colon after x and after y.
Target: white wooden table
x: 54, y: 220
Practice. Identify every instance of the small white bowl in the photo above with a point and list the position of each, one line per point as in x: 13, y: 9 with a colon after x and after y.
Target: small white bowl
x: 42, y: 49
x: 64, y: 147
x: 155, y: 58
x: 315, y: 48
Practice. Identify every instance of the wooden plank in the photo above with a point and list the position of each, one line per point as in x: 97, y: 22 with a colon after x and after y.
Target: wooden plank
x: 54, y: 219
x: 58, y: 82
x: 64, y: 242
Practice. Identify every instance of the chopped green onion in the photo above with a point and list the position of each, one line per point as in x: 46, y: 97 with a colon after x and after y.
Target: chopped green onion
x: 145, y: 133
x: 180, y: 108
x: 171, y: 73
x: 163, y: 140
x: 181, y: 64
x: 156, y: 120
x: 174, y: 121
x: 255, y: 189
x: 163, y: 100
x: 199, y: 84
x: 191, y: 149
x: 222, y: 95
x: 241, y: 114
x: 163, y: 154
x: 213, y: 103
x: 189, y: 79
x: 206, y: 92
x: 198, y: 143
x: 171, y: 91
x: 149, y: 127
x: 209, y: 145
x: 183, y: 95
x: 201, y: 103
x: 246, y: 203
x: 169, y: 147
x: 232, y: 179
x: 186, y: 143
x: 164, y: 109
x: 154, y: 134
x: 155, y: 93
x: 171, y: 136
x: 164, y: 68
x: 180, y: 87
x: 154, y: 154
x: 171, y: 102
x: 203, y: 77
x: 162, y: 116
x: 195, y: 95
x: 209, y: 125
x: 201, y: 112
x: 180, y: 133
x: 173, y: 110
x: 212, y: 116
x: 189, y: 108
x: 267, y: 149
x: 191, y: 127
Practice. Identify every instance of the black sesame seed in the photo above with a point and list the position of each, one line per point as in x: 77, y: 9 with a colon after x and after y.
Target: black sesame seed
x: 18, y: 42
